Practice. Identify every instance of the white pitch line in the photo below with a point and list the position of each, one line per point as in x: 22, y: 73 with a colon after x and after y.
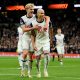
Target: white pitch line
x: 72, y: 77
x: 66, y: 77
x: 42, y: 67
x: 9, y: 68
x: 9, y: 74
x: 42, y: 76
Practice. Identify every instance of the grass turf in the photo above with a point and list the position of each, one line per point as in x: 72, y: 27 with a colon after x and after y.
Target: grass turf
x: 9, y: 70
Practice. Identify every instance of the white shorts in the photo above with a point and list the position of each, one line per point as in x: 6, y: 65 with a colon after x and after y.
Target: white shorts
x: 60, y: 49
x: 42, y: 48
x: 27, y: 45
x: 19, y: 46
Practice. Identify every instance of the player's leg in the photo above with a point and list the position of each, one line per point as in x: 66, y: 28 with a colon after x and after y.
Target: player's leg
x: 46, y: 50
x: 38, y: 62
x: 60, y: 55
x: 30, y: 60
x: 46, y: 61
x: 31, y: 52
x: 54, y: 52
x: 23, y: 69
x: 60, y: 59
x: 26, y: 65
x: 19, y: 50
x: 19, y: 59
x: 25, y: 60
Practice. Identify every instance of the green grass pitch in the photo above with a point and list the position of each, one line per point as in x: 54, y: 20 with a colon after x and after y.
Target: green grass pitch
x: 9, y: 70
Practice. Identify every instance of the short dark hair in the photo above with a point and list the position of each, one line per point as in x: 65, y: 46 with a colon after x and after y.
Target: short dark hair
x: 58, y: 28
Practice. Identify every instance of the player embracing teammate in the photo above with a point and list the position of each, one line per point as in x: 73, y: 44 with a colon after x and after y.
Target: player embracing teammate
x: 41, y: 42
x: 25, y: 43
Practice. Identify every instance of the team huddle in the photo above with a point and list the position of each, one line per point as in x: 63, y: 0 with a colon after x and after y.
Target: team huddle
x: 34, y: 39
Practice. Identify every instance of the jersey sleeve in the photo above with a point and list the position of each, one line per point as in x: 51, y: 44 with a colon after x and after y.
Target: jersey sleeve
x: 22, y: 22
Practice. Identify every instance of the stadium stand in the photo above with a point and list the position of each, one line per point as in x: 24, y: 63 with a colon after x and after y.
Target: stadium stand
x: 9, y: 38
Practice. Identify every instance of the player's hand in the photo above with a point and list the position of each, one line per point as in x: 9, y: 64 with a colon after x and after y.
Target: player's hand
x: 36, y: 27
x: 40, y: 29
x: 27, y: 26
x: 45, y: 28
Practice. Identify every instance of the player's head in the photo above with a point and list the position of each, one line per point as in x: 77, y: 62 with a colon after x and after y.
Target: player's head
x: 29, y: 8
x: 59, y: 31
x: 40, y: 13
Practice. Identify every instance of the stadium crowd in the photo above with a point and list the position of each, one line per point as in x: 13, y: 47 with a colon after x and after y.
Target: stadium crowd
x: 9, y: 36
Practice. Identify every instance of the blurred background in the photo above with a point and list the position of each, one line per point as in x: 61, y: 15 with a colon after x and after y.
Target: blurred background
x: 63, y: 13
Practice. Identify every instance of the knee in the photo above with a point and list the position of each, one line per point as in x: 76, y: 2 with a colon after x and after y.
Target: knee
x: 25, y: 52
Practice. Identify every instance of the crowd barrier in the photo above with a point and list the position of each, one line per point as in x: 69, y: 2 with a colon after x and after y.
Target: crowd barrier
x: 51, y: 54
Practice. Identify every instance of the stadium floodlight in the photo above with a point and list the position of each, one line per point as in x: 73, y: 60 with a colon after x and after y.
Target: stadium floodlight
x: 76, y: 5
x: 58, y: 6
x: 37, y: 7
x: 20, y: 7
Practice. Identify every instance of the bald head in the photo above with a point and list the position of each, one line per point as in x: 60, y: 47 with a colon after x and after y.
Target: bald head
x: 40, y: 13
x: 40, y: 10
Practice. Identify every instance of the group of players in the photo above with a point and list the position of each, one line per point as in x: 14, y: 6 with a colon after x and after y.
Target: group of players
x: 34, y: 38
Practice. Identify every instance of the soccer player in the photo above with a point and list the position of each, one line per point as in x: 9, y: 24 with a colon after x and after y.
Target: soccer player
x: 19, y: 50
x: 59, y: 38
x: 25, y: 22
x: 26, y: 38
x: 42, y: 41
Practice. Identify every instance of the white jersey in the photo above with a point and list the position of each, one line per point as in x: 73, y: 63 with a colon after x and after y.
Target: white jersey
x: 20, y: 33
x: 26, y: 21
x: 43, y: 36
x: 59, y: 39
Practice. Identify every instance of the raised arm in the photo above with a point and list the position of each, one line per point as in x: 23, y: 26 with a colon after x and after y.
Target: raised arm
x: 47, y: 19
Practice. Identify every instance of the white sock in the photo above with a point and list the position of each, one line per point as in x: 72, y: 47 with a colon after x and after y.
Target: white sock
x: 38, y: 65
x: 20, y: 59
x: 46, y: 60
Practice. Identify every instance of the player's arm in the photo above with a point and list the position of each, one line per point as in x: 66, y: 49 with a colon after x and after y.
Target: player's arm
x: 28, y: 28
x: 25, y: 27
x: 47, y: 19
x: 33, y: 36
